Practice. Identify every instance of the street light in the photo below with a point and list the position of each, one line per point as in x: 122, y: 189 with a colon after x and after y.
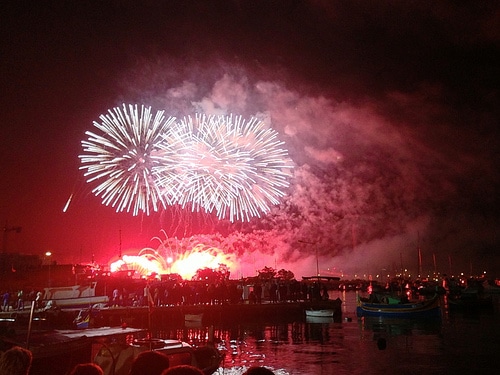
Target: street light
x: 48, y: 254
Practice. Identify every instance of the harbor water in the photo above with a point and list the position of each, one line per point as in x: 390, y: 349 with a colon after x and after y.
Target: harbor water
x: 463, y: 342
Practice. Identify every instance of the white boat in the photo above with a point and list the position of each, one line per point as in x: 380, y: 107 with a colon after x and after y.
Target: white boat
x: 73, y: 297
x: 322, y: 313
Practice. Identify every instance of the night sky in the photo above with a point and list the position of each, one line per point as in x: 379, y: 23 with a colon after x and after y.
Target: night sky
x: 389, y: 111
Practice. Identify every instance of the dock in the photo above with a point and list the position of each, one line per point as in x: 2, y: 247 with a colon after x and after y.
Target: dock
x: 175, y: 316
x: 167, y: 316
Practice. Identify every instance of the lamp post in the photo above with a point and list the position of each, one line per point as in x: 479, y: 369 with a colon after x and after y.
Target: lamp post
x: 48, y: 254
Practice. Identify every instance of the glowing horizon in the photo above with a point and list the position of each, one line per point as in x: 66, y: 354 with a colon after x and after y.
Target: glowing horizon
x: 150, y: 261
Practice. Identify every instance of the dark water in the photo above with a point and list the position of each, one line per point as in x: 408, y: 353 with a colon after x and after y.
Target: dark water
x: 460, y: 342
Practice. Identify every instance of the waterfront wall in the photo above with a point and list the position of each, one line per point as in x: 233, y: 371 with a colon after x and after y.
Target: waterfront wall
x: 167, y: 316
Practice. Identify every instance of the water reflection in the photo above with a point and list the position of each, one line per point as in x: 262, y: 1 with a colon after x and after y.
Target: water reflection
x: 397, y: 327
x: 355, y: 346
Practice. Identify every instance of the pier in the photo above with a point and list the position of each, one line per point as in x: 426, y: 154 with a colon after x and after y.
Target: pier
x: 167, y: 316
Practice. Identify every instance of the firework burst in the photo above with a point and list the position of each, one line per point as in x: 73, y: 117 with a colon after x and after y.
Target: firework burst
x: 222, y: 164
x: 123, y: 157
x: 227, y: 165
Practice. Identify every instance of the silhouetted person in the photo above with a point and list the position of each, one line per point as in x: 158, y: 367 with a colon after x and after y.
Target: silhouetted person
x: 86, y: 369
x: 149, y: 363
x: 258, y: 292
x: 258, y: 370
x: 182, y: 370
x: 16, y: 361
x: 273, y: 292
x: 6, y: 301
x: 252, y: 298
x: 20, y: 300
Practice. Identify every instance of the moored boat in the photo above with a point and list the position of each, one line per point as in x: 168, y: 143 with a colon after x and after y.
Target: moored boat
x: 56, y: 352
x: 116, y: 359
x: 421, y: 308
x: 321, y: 313
x: 74, y: 297
x: 470, y: 301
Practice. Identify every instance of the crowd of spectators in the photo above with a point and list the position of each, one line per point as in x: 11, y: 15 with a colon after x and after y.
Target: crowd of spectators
x: 233, y: 292
x: 18, y: 361
x: 186, y: 292
x: 20, y: 299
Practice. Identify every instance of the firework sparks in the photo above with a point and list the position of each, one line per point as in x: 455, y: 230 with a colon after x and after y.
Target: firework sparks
x: 222, y: 164
x: 228, y: 165
x: 122, y: 158
x: 150, y: 261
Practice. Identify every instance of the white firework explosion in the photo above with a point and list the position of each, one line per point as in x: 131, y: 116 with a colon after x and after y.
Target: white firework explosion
x: 230, y: 166
x: 123, y: 157
x: 222, y: 164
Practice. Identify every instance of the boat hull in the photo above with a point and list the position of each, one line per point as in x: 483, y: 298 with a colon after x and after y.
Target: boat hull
x: 320, y: 313
x: 426, y: 308
x: 73, y: 297
x: 79, y: 303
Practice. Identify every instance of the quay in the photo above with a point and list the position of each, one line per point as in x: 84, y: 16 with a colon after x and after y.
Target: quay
x: 168, y: 316
x: 174, y: 316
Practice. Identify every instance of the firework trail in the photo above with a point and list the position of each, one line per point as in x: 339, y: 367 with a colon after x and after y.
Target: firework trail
x: 123, y: 157
x: 227, y: 165
x: 67, y: 203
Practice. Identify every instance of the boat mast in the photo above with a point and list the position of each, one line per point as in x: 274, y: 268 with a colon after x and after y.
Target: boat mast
x: 419, y: 257
x: 120, y: 248
x: 317, y: 262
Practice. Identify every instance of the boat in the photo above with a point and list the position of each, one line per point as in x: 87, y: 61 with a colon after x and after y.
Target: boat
x: 116, y: 358
x: 413, y: 309
x: 482, y: 302
x: 87, y: 318
x: 56, y: 352
x: 47, y: 317
x: 491, y: 288
x: 321, y: 313
x: 74, y: 297
x: 470, y: 298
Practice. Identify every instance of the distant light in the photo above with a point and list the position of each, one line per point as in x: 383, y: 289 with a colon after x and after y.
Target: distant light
x: 48, y: 254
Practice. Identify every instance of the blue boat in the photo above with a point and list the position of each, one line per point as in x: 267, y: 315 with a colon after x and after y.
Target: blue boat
x: 422, y: 308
